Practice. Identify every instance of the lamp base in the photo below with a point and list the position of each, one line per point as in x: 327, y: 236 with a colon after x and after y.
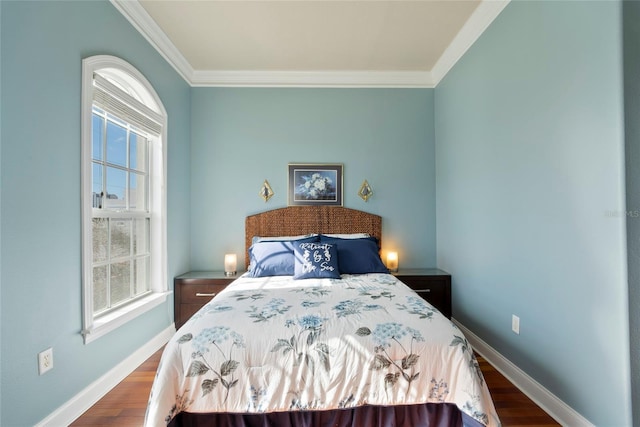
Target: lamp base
x: 229, y: 273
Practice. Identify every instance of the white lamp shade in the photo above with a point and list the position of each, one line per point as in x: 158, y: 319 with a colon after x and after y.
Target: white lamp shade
x: 230, y: 263
x: 392, y: 261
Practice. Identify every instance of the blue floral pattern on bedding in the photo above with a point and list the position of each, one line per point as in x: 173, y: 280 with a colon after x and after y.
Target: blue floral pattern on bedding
x: 278, y: 344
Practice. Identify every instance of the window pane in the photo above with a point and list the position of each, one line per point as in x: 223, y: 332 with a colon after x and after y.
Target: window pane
x: 97, y: 137
x: 100, y: 237
x: 116, y: 189
x: 120, y: 282
x: 138, y: 152
x: 140, y: 236
x: 120, y: 238
x: 141, y: 276
x: 116, y: 144
x: 137, y: 192
x: 96, y: 183
x: 99, y: 288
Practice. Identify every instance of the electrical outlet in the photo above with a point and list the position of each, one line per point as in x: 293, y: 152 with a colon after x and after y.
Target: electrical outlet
x: 515, y: 324
x: 45, y: 360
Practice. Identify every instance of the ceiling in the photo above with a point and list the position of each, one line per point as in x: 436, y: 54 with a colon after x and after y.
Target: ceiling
x: 327, y: 43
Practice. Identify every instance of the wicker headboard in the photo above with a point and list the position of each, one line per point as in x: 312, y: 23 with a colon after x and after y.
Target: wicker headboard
x: 295, y: 220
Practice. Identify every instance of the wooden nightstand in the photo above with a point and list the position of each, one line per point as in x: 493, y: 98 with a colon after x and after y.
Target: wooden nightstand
x: 432, y: 284
x: 192, y: 290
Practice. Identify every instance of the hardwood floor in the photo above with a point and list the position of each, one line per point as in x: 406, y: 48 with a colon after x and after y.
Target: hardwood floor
x: 126, y: 404
x: 513, y: 407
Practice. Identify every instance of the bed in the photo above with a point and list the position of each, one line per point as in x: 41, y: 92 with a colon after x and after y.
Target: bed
x: 318, y: 333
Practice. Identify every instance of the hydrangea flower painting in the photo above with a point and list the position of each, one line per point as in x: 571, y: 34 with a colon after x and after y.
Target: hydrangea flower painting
x: 315, y: 185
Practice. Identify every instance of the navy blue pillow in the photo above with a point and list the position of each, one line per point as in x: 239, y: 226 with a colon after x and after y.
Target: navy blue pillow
x: 273, y: 258
x: 357, y: 256
x: 314, y: 260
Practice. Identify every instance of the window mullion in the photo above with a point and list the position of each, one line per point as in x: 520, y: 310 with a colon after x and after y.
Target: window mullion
x: 103, y: 196
x: 108, y: 281
x: 103, y: 213
x: 127, y: 162
x: 132, y: 285
x: 147, y: 180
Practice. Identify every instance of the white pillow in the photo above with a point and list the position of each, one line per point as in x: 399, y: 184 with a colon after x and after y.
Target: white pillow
x: 257, y: 239
x: 348, y: 236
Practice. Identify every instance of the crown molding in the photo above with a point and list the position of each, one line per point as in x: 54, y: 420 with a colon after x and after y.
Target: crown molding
x: 142, y: 21
x: 313, y: 79
x: 481, y: 18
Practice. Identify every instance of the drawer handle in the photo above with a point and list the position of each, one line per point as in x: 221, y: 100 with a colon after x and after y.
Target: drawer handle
x: 423, y: 290
x: 200, y: 294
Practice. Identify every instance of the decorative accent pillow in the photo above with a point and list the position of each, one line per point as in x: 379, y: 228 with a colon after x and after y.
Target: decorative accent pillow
x: 314, y: 260
x: 273, y: 258
x: 357, y: 256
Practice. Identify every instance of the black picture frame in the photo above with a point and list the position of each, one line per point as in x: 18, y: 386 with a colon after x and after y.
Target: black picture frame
x: 315, y: 184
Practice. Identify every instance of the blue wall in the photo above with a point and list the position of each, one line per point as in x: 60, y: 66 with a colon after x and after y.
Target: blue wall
x: 43, y: 44
x: 519, y: 152
x: 240, y: 137
x: 530, y: 198
x: 631, y: 15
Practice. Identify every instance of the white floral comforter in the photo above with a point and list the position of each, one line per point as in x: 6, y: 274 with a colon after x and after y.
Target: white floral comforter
x: 278, y: 344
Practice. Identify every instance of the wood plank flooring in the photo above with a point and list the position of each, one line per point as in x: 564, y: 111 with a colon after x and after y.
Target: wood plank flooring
x: 126, y: 404
x: 514, y: 408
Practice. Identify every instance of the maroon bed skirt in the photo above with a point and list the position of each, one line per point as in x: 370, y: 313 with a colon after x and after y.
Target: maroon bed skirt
x: 428, y: 415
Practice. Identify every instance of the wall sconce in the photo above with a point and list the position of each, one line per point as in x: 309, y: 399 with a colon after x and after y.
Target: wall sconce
x: 266, y: 192
x: 230, y: 264
x: 392, y: 261
x: 365, y: 191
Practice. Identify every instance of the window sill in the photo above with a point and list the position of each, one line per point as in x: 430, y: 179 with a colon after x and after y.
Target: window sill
x: 119, y: 317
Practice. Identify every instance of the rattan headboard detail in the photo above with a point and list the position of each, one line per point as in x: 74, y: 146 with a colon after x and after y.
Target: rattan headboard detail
x: 296, y: 220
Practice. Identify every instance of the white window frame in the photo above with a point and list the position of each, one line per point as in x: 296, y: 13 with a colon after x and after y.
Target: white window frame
x: 131, y: 81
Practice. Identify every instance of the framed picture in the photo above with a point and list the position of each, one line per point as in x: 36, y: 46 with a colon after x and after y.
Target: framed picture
x: 315, y: 184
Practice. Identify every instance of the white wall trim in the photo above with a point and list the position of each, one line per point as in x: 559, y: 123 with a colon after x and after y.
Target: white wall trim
x: 120, y: 317
x: 77, y: 405
x: 313, y: 79
x: 480, y: 19
x: 141, y: 21
x: 555, y: 407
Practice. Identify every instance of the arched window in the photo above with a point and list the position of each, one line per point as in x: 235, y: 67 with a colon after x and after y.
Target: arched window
x: 123, y: 195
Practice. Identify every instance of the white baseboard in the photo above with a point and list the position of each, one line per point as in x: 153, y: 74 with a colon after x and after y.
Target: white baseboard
x: 551, y: 404
x: 78, y: 405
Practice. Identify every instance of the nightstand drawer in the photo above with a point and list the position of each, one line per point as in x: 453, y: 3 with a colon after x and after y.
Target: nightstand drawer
x: 433, y: 285
x: 199, y: 294
x: 194, y: 289
x: 434, y: 293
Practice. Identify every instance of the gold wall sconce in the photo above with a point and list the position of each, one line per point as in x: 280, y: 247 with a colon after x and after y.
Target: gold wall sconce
x: 365, y: 191
x: 265, y: 191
